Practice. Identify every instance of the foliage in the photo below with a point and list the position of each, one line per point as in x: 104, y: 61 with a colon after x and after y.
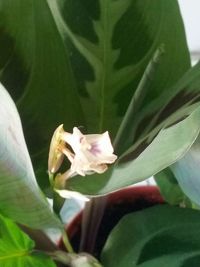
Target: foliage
x: 120, y: 66
x: 81, y: 64
x: 20, y: 196
x: 159, y: 240
x: 17, y: 249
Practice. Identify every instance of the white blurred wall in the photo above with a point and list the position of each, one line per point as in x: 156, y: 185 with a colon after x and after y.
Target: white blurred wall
x: 190, y: 10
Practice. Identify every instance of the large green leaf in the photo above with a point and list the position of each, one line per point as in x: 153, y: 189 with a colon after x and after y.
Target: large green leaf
x: 20, y: 196
x: 159, y: 236
x: 157, y: 148
x: 35, y: 69
x: 79, y: 63
x: 167, y: 147
x: 17, y: 249
x: 111, y: 43
x: 62, y: 59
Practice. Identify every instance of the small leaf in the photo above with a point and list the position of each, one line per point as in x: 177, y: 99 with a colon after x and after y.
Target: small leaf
x: 20, y: 196
x: 170, y: 189
x: 159, y: 236
x: 187, y: 172
x: 17, y: 249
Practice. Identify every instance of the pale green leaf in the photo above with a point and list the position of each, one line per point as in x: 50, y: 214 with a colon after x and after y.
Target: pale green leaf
x: 167, y: 147
x: 20, y: 196
x: 187, y: 173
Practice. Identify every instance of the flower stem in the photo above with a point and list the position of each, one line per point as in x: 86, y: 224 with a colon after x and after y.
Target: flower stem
x: 51, y: 177
x: 66, y: 242
x: 56, y: 207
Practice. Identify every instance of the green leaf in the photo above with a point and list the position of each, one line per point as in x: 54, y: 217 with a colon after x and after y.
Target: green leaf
x: 170, y: 189
x: 171, y: 107
x: 187, y: 173
x: 20, y: 196
x: 167, y: 147
x: 124, y: 139
x: 159, y: 236
x: 66, y: 60
x: 37, y: 72
x: 17, y: 249
x: 111, y: 44
x: 183, y: 94
x: 79, y: 63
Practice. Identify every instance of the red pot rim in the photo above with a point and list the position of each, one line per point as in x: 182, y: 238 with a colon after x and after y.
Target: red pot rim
x: 129, y: 194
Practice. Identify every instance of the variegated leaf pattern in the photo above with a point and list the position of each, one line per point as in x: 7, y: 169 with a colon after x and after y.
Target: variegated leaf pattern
x: 166, y: 148
x: 115, y: 52
x: 108, y: 44
x: 101, y: 57
x: 80, y: 63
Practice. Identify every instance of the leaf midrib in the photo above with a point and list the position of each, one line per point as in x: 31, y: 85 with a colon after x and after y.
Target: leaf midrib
x: 15, y: 255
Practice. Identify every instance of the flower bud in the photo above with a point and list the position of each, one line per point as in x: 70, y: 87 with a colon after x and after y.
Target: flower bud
x: 56, y: 155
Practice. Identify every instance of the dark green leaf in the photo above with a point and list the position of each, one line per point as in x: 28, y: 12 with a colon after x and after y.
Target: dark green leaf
x: 37, y: 72
x: 17, y: 249
x: 124, y: 137
x: 107, y: 58
x: 182, y: 94
x: 56, y: 54
x: 159, y: 236
x: 170, y: 189
x: 172, y: 106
